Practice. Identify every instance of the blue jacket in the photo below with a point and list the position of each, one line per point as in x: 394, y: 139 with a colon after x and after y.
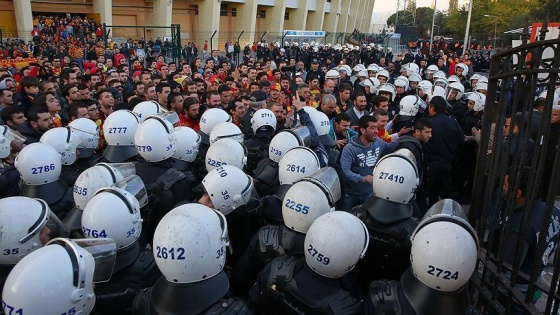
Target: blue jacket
x: 358, y: 160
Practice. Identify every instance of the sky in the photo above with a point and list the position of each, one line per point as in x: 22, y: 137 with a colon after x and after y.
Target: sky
x: 391, y: 5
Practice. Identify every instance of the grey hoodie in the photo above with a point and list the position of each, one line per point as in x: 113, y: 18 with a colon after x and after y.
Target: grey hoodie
x: 358, y: 160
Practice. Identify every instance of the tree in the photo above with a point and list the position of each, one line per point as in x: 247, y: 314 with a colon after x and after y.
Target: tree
x: 404, y: 16
x: 548, y: 9
x: 424, y: 20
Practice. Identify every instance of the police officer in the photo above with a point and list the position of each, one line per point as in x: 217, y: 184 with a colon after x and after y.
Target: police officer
x: 410, y: 108
x: 388, y: 215
x: 119, y: 129
x: 9, y: 177
x: 89, y: 182
x: 226, y: 151
x: 65, y: 141
x: 190, y: 245
x: 297, y: 163
x: 263, y: 124
x: 24, y: 231
x: 40, y: 178
x: 188, y: 142
x: 208, y: 121
x: 443, y: 256
x: 334, y: 244
x: 88, y: 131
x: 59, y: 277
x: 156, y: 143
x: 230, y: 191
x: 114, y: 213
x: 318, y: 193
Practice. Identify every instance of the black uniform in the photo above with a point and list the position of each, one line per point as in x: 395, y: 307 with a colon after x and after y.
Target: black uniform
x: 270, y: 242
x: 390, y: 225
x: 209, y: 296
x: 288, y: 286
x: 135, y: 269
x: 411, y: 297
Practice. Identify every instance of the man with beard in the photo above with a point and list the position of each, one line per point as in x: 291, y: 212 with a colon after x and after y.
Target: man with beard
x: 191, y: 109
x: 39, y: 122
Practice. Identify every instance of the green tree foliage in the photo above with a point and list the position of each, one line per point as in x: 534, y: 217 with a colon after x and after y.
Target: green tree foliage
x: 547, y: 9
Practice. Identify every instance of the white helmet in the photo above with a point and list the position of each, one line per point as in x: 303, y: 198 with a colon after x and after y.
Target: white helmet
x: 119, y: 129
x: 411, y: 105
x: 296, y: 164
x: 479, y: 100
x: 440, y: 74
x: 415, y: 77
x: 65, y: 141
x: 38, y: 171
x: 383, y: 73
x: 441, y: 82
x: 228, y: 188
x: 357, y: 68
x: 458, y: 88
x: 463, y: 67
x: 188, y: 142
x: 88, y: 131
x: 190, y: 243
x: 438, y: 91
x: 346, y: 69
x: 431, y: 70
x: 226, y: 151
x: 372, y: 83
x: 97, y: 177
x: 113, y: 213
x: 335, y: 243
x: 444, y: 248
x: 146, y: 109
x: 475, y: 77
x: 155, y: 139
x: 481, y: 86
x: 6, y: 138
x: 322, y: 124
x: 309, y: 198
x: 373, y: 68
x: 399, y: 82
x: 453, y: 78
x: 24, y: 231
x: 334, y: 75
x: 395, y: 177
x: 411, y: 68
x: 224, y: 130
x: 209, y: 119
x: 286, y: 140
x: 555, y: 97
x: 263, y: 118
x: 58, y: 278
x: 425, y: 86
x: 387, y: 88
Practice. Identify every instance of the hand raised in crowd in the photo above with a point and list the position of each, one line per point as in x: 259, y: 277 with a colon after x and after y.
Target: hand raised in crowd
x: 297, y: 103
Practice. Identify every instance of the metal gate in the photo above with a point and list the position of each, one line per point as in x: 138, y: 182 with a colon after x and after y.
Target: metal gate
x: 501, y: 287
x: 135, y: 32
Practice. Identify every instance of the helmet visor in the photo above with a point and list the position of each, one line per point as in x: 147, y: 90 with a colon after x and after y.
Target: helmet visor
x: 125, y: 169
x: 328, y: 181
x: 47, y: 223
x: 134, y: 185
x: 102, y: 250
x: 171, y: 117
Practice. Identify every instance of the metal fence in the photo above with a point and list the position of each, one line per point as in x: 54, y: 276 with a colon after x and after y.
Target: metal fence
x: 516, y: 235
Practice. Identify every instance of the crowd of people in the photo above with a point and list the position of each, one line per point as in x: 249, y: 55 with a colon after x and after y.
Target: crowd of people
x: 332, y: 172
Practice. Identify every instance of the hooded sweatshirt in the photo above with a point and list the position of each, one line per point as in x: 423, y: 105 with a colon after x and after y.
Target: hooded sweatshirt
x: 358, y: 160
